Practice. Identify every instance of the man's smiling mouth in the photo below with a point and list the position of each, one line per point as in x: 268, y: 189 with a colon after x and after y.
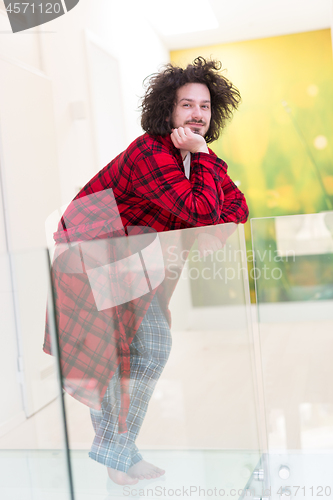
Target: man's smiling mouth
x: 195, y: 124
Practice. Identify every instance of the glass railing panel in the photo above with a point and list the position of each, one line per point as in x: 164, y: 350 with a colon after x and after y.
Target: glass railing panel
x: 293, y: 263
x: 193, y: 408
x: 33, y: 454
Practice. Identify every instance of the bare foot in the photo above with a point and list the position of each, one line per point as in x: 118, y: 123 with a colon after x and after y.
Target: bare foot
x: 122, y: 478
x: 145, y: 470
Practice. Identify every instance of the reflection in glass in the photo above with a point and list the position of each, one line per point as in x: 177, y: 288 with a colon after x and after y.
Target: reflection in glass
x: 121, y: 301
x: 294, y: 285
x: 33, y: 453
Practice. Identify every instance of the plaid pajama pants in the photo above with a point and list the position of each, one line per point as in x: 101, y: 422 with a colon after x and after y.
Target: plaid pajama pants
x: 149, y: 350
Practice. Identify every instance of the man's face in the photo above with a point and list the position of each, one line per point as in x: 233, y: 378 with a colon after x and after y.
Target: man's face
x: 192, y: 108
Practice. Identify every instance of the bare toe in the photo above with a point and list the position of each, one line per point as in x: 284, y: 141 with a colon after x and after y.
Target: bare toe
x: 144, y: 470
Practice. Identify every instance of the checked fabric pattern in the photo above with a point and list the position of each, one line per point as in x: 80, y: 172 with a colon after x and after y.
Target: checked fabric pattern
x: 150, y: 190
x: 144, y: 186
x: 150, y: 350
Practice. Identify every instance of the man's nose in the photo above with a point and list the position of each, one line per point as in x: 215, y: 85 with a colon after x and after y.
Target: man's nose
x: 197, y: 112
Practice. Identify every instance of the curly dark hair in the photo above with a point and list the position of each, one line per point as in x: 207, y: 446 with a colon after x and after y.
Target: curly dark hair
x: 160, y: 97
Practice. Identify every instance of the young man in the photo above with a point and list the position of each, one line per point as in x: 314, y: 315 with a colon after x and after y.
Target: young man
x: 166, y: 179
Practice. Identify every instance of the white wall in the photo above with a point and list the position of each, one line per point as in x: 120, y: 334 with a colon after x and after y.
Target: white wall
x: 24, y: 51
x: 57, y: 52
x: 124, y: 31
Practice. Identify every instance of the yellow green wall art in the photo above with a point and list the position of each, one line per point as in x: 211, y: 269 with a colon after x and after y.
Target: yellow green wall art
x: 278, y: 145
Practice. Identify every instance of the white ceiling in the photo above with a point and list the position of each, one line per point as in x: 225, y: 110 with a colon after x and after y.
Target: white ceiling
x: 239, y: 19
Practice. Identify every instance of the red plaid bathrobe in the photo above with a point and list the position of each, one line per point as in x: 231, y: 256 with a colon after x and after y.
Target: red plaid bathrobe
x: 149, y: 189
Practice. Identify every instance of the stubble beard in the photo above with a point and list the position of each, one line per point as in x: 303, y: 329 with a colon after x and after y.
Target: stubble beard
x: 196, y: 130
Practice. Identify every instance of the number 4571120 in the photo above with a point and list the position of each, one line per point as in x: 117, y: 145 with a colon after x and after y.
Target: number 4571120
x: 21, y: 8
